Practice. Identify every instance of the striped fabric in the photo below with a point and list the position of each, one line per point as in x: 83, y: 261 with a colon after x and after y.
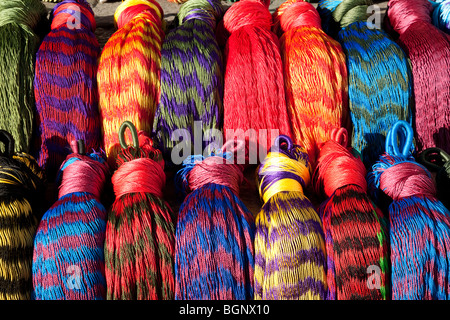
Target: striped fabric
x: 428, y: 50
x: 290, y: 259
x: 419, y: 230
x: 140, y: 232
x: 420, y: 238
x: 214, y: 246
x: 355, y: 229
x: 380, y: 87
x: 19, y: 41
x: 66, y: 87
x: 356, y: 244
x: 379, y: 76
x: 140, y: 265
x: 290, y: 256
x: 191, y: 77
x: 21, y: 183
x: 68, y: 259
x: 16, y: 250
x: 315, y: 77
x: 129, y: 75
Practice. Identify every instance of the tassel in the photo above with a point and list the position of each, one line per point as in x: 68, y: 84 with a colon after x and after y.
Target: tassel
x: 315, y: 76
x: 441, y: 15
x: 355, y: 228
x: 379, y: 76
x: 129, y: 71
x: 429, y: 52
x: 214, y: 255
x: 419, y: 223
x: 19, y: 20
x: 65, y: 85
x: 254, y: 98
x: 438, y: 161
x: 68, y: 258
x: 140, y: 234
x: 191, y: 79
x: 21, y: 182
x: 290, y: 256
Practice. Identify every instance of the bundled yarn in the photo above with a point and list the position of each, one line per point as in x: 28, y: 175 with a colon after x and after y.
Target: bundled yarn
x: 428, y: 49
x: 19, y: 20
x: 290, y: 256
x: 438, y: 161
x: 21, y: 181
x: 68, y: 258
x: 191, y: 78
x: 129, y: 71
x: 355, y: 230
x: 254, y: 98
x: 379, y: 75
x: 215, y: 232
x: 65, y: 85
x: 315, y: 75
x: 419, y: 223
x: 441, y: 14
x: 140, y: 234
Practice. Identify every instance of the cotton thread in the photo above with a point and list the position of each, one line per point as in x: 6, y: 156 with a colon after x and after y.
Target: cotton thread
x: 428, y: 50
x: 21, y: 185
x: 419, y: 223
x: 129, y: 71
x: 380, y: 79
x: 315, y: 75
x: 20, y: 21
x: 191, y: 78
x: 254, y: 87
x: 140, y: 234
x: 290, y: 256
x: 356, y: 230
x: 68, y: 259
x: 65, y: 86
x: 214, y: 253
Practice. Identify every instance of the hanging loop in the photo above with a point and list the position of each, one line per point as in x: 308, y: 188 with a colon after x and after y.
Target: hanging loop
x: 399, y: 140
x: 8, y: 140
x: 134, y: 134
x: 433, y: 158
x: 81, y: 147
x: 340, y: 136
x: 283, y: 142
